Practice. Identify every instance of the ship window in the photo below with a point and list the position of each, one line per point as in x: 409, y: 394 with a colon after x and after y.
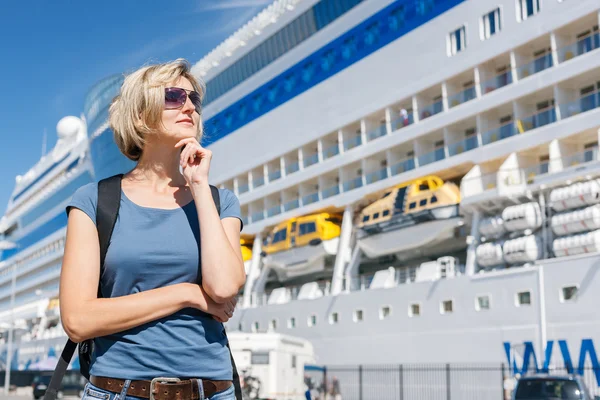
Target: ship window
x: 386, y: 195
x: 423, y: 202
x: 255, y: 326
x: 376, y: 215
x: 366, y: 218
x: 385, y: 312
x: 385, y: 213
x: 412, y: 205
x: 527, y: 8
x: 490, y: 24
x: 333, y: 318
x: 309, y: 227
x: 433, y: 200
x: 294, y: 361
x: 568, y: 293
x: 482, y: 303
x: 414, y: 310
x: 273, y: 324
x: 358, y: 315
x: 523, y: 298
x: 446, y: 307
x: 457, y: 41
x: 293, y: 228
x: 240, y: 327
x: 291, y: 323
x: 423, y: 186
x: 312, y: 320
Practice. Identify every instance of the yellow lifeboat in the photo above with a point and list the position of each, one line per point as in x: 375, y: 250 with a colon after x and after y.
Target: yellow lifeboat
x: 300, y: 245
x: 418, y: 213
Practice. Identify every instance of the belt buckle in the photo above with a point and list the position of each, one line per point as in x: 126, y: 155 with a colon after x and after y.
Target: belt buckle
x: 161, y: 380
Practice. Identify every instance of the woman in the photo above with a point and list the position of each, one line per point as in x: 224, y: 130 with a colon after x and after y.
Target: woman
x: 173, y: 266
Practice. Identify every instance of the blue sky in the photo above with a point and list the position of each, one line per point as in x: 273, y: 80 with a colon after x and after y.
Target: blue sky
x: 53, y: 51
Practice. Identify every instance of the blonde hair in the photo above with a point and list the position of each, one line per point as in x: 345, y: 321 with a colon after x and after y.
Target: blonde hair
x: 136, y: 111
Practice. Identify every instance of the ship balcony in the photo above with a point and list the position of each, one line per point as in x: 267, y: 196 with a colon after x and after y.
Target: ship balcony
x: 430, y: 102
x: 461, y: 89
x: 352, y: 135
x: 309, y: 192
x: 292, y: 162
x: 352, y: 177
x: 495, y: 74
x: 577, y: 38
x: 462, y: 136
x: 274, y: 170
x: 290, y: 199
x: 273, y: 205
x: 533, y: 57
x: 376, y: 168
x: 401, y: 115
x: 310, y: 155
x: 257, y: 177
x: 375, y: 126
x: 243, y: 184
x: 330, y: 145
x: 330, y: 184
x: 401, y: 158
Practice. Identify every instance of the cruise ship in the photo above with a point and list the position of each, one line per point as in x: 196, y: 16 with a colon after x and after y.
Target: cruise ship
x: 419, y: 182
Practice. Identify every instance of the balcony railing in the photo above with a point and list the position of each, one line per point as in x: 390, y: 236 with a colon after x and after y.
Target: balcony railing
x: 431, y: 109
x: 243, y: 188
x: 275, y: 210
x: 377, y: 132
x: 462, y: 97
x: 432, y: 156
x: 310, y: 198
x: 581, y: 46
x: 586, y: 156
x: 584, y: 103
x: 403, y: 166
x: 290, y: 205
x: 258, y: 216
x: 377, y: 176
x: 536, y: 170
x: 331, y: 191
x: 533, y: 67
x: 258, y: 181
x: 352, y: 142
x: 274, y: 175
x: 401, y: 121
x: 310, y: 160
x: 293, y: 167
x: 467, y: 144
x: 542, y: 118
x: 502, y: 132
x: 331, y: 151
x: 353, y: 184
x: 497, y: 82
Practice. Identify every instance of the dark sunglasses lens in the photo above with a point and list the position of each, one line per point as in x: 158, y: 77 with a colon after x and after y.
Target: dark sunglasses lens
x: 174, y: 98
x: 196, y: 101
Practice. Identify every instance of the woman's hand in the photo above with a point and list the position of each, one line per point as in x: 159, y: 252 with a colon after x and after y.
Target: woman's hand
x: 202, y: 301
x: 195, y: 161
x: 222, y: 312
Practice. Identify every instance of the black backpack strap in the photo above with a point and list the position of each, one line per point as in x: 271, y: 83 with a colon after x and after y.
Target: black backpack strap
x: 236, y: 377
x: 107, y: 210
x: 109, y: 199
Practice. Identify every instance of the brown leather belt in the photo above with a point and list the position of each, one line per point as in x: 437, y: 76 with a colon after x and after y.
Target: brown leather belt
x: 162, y: 388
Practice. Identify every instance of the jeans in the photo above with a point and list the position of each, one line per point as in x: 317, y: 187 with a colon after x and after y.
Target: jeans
x: 92, y: 392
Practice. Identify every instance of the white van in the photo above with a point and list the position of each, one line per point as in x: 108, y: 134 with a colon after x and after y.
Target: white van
x: 271, y: 365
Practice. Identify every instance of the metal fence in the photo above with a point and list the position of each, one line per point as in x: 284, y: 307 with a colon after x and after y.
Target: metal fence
x: 421, y: 382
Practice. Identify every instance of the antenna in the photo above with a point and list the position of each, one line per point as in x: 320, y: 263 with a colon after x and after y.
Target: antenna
x: 44, y: 142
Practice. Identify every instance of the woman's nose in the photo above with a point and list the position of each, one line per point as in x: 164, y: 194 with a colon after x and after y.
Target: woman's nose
x: 188, y: 107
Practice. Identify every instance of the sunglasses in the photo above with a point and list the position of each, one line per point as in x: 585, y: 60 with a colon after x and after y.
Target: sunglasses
x: 176, y: 97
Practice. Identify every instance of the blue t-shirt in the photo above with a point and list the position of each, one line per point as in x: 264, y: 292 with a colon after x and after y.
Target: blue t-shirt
x: 152, y: 248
